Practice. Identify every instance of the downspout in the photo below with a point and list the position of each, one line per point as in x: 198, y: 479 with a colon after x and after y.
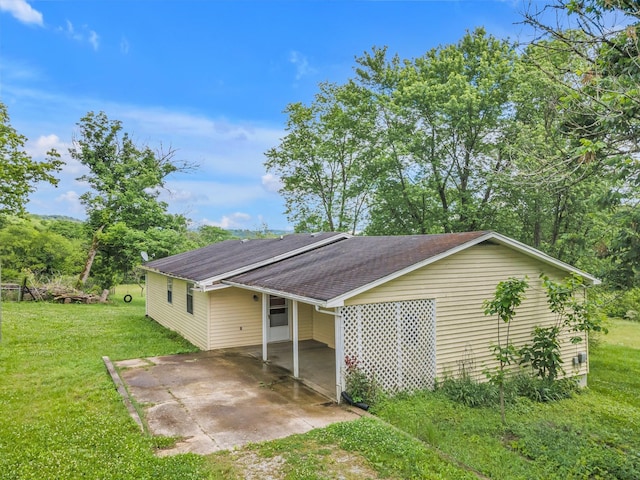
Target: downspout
x: 338, y: 333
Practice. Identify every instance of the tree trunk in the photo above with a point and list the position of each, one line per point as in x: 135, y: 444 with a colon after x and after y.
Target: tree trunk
x: 105, y: 294
x: 93, y: 250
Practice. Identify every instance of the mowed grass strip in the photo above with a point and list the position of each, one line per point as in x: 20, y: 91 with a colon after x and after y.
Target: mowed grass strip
x: 60, y: 416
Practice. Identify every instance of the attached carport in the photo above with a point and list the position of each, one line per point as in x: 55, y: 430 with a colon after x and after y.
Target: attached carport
x: 393, y: 342
x: 316, y: 363
x: 223, y: 399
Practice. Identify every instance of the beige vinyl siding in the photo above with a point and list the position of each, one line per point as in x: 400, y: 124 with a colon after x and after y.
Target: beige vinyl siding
x: 460, y: 284
x: 174, y: 316
x: 324, y: 328
x: 305, y: 321
x: 236, y: 318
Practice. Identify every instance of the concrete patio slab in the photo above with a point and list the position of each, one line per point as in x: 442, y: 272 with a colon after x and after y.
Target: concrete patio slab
x: 224, y: 399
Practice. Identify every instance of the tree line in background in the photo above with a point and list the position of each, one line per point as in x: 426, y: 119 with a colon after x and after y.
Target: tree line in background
x: 536, y: 141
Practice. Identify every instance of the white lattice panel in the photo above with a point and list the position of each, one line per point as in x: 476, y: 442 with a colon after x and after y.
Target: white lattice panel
x: 393, y: 341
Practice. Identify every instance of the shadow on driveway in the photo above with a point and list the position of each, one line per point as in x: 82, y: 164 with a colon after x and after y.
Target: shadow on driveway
x: 223, y: 399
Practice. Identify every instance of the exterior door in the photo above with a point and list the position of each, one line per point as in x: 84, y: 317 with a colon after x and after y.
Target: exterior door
x: 278, y: 319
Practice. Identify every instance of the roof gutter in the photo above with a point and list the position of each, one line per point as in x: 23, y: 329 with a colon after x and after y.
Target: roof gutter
x: 327, y: 312
x: 177, y: 277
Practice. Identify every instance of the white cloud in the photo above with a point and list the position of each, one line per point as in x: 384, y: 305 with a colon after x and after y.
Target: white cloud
x: 301, y: 63
x: 271, y: 183
x: 94, y: 39
x: 187, y: 196
x: 72, y: 201
x: 86, y: 35
x: 21, y: 11
x: 39, y: 148
x: 210, y: 192
x: 234, y: 220
x: 124, y: 45
x: 71, y: 33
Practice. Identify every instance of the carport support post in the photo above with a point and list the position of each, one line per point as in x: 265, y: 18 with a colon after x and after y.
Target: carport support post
x: 265, y: 326
x: 339, y: 341
x: 296, y: 372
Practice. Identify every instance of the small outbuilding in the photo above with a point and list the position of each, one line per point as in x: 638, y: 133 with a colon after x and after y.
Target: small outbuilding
x: 407, y: 309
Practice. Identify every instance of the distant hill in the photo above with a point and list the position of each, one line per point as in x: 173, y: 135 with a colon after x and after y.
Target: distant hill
x: 56, y: 217
x: 238, y: 233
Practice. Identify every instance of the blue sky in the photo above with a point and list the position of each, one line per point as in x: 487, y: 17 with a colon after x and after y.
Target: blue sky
x: 207, y: 78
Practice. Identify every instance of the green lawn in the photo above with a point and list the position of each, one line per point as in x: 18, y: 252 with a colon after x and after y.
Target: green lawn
x: 594, y: 435
x: 60, y: 416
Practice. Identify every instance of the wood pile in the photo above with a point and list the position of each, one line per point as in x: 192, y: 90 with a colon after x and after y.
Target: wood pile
x: 52, y: 293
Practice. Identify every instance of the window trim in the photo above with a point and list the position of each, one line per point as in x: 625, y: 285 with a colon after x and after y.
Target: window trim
x: 169, y: 290
x: 190, y: 287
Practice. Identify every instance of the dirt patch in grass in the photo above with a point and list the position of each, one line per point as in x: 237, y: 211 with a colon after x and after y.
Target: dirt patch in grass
x: 331, y: 462
x: 348, y: 466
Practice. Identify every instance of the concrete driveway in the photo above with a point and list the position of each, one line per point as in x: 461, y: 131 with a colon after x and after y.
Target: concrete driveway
x: 224, y: 399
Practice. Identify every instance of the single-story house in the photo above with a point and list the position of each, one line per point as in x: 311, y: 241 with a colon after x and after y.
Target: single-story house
x: 408, y: 309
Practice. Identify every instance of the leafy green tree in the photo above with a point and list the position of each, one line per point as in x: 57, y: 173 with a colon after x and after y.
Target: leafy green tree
x: 442, y: 118
x: 556, y: 195
x: 602, y: 105
x: 125, y: 181
x: 23, y: 247
x: 508, y: 296
x: 18, y: 171
x: 325, y: 161
x: 602, y: 38
x: 208, y: 234
x: 71, y: 229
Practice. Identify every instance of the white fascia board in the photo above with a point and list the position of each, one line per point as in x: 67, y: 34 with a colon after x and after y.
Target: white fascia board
x: 277, y: 293
x: 277, y: 258
x: 543, y: 257
x: 170, y: 275
x: 215, y: 286
x: 498, y: 238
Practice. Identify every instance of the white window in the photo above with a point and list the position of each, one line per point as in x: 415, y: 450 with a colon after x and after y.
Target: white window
x: 278, y: 314
x: 189, y: 297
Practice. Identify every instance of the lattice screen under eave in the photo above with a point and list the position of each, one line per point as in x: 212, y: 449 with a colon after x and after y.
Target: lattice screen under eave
x: 394, y: 341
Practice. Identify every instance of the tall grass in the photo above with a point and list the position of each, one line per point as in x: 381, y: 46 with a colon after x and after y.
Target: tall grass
x: 595, y: 434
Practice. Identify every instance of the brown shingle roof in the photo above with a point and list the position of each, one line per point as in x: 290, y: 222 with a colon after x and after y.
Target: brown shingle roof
x: 225, y: 258
x: 342, y: 267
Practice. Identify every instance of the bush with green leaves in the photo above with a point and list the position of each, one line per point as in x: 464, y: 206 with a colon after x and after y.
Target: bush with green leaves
x: 542, y: 389
x: 543, y: 355
x: 574, y: 314
x: 359, y: 385
x: 469, y: 392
